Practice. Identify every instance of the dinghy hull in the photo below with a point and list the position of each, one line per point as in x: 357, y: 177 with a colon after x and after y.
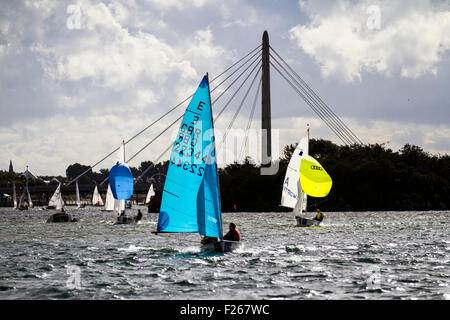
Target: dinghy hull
x: 221, y: 246
x: 303, y: 222
x: 60, y: 217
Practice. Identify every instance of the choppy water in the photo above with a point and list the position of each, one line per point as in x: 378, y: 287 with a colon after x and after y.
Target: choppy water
x: 364, y: 255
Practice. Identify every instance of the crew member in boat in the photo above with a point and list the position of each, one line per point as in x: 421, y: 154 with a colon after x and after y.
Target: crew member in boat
x: 233, y: 234
x: 139, y: 215
x: 319, y: 215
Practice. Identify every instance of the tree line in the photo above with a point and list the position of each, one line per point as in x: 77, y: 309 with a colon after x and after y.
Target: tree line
x: 365, y: 178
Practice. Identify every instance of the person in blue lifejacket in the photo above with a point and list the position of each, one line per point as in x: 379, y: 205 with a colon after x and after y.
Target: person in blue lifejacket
x: 233, y: 234
x: 319, y: 215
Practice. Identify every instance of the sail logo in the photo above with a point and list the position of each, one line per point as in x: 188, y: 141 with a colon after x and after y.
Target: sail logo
x: 314, y: 167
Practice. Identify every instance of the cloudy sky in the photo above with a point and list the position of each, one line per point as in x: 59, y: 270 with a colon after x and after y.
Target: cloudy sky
x: 77, y: 77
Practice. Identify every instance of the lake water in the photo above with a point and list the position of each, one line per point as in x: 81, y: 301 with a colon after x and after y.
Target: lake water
x: 353, y: 255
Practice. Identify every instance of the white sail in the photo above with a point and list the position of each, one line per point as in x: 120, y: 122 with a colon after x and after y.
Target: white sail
x: 21, y: 197
x: 150, y: 194
x: 30, y: 202
x: 54, y: 198
x: 109, y: 202
x: 291, y: 184
x: 96, y: 198
x: 14, y: 195
x: 78, y: 194
x: 119, y: 206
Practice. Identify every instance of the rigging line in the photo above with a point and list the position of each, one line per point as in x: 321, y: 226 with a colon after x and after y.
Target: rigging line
x: 165, y: 114
x: 324, y: 105
x: 236, y: 69
x: 154, y: 163
x: 308, y: 102
x: 234, y: 81
x: 331, y: 118
x: 314, y: 93
x: 335, y: 126
x: 223, y: 109
x: 251, y: 118
x: 178, y: 119
x: 239, y: 108
x: 236, y: 92
x: 183, y: 114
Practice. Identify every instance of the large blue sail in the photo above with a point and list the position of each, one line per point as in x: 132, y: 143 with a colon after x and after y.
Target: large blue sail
x: 190, y: 200
x: 121, y: 181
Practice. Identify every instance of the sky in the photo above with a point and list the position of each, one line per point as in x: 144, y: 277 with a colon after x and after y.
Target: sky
x: 78, y: 77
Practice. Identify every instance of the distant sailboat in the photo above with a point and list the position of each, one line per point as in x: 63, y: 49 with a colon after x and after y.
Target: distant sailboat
x: 191, y: 198
x: 304, y: 176
x: 96, y: 198
x: 58, y: 203
x: 121, y: 183
x: 14, y: 195
x: 150, y: 194
x: 77, y: 190
x: 55, y: 199
x: 109, y: 202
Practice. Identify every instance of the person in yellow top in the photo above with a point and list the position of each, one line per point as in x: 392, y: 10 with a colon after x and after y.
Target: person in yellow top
x: 319, y: 215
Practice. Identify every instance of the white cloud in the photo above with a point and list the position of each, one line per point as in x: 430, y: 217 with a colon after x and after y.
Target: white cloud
x: 343, y: 39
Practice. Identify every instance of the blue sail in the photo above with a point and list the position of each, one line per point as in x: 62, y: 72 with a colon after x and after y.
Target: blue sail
x: 190, y: 200
x: 121, y: 181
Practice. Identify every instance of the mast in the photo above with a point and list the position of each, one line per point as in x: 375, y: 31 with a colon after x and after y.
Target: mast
x: 266, y: 139
x: 215, y: 155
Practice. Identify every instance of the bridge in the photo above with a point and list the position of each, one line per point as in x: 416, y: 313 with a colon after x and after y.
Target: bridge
x: 251, y: 71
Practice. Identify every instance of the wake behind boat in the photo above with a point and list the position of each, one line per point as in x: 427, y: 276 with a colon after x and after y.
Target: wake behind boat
x: 191, y: 198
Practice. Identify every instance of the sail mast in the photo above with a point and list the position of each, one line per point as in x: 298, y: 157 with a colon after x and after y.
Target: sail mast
x: 215, y: 155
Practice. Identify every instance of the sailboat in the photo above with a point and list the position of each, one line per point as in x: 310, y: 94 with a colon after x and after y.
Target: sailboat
x: 96, y: 198
x: 109, y: 202
x: 57, y: 203
x: 191, y: 197
x: 79, y: 205
x: 28, y: 175
x: 150, y: 194
x: 121, y: 183
x: 304, y: 176
x: 55, y: 198
x: 14, y: 196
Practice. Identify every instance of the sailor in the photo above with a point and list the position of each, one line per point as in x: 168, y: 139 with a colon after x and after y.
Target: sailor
x: 233, y: 234
x: 319, y: 215
x: 139, y: 215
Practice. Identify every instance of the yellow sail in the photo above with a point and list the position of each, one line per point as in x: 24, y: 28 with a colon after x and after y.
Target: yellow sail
x: 314, y: 180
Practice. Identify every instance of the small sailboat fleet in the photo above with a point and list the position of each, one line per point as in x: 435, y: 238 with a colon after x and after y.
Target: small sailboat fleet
x: 304, y: 177
x: 191, y: 198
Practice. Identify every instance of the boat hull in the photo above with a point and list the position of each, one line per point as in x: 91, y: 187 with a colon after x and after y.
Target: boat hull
x: 126, y: 220
x: 304, y: 222
x: 60, y: 217
x: 224, y: 246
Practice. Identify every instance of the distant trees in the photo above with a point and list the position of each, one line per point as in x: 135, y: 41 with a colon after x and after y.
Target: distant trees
x: 365, y: 177
x: 369, y: 177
